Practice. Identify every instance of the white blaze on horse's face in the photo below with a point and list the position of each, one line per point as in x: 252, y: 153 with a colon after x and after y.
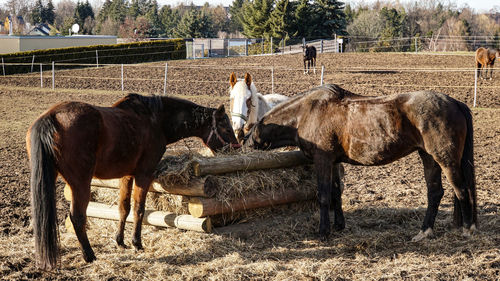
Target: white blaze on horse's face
x: 240, y: 95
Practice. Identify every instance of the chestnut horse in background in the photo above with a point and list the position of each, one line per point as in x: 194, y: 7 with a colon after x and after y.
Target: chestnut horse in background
x: 79, y: 141
x: 310, y: 58
x: 485, y: 58
x: 331, y: 125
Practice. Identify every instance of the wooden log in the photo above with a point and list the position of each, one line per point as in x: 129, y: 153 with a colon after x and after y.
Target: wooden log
x: 202, y: 187
x: 155, y: 218
x: 259, y: 161
x: 201, y: 207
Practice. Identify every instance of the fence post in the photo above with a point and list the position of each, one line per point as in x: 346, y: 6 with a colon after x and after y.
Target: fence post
x: 53, y: 76
x: 122, y: 77
x: 321, y: 47
x: 475, y: 86
x: 336, y: 43
x: 96, y: 58
x: 303, y: 42
x: 228, y: 45
x: 283, y: 47
x: 322, y: 72
x: 32, y: 63
x: 262, y: 46
x: 209, y: 47
x: 272, y: 80
x: 416, y: 46
x: 165, y: 80
x: 246, y: 47
x: 3, y: 67
x: 41, y: 76
x: 271, y: 45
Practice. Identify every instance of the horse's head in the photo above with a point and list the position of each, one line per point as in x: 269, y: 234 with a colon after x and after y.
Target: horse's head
x: 269, y: 136
x: 241, y: 92
x: 220, y: 134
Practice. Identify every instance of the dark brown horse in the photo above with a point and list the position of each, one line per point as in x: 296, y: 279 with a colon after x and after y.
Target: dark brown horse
x: 332, y: 125
x: 310, y: 58
x: 485, y: 58
x: 79, y: 141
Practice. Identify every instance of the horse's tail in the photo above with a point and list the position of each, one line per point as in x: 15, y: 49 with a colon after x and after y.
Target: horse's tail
x: 467, y: 161
x: 43, y: 199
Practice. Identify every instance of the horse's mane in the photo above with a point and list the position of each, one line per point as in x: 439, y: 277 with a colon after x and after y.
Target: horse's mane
x: 141, y: 104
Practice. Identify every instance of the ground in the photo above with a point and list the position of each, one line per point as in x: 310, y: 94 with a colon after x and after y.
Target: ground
x: 384, y: 206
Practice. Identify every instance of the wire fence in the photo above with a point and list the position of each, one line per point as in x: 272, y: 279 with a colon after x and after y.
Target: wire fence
x: 170, y: 78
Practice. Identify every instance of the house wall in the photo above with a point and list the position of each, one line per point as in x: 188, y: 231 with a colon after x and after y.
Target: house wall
x: 12, y: 44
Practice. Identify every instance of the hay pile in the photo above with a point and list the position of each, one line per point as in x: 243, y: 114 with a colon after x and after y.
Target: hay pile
x: 178, y: 170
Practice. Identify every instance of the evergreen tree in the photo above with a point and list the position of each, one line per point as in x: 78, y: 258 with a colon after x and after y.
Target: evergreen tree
x: 169, y: 19
x: 302, y: 26
x: 36, y: 13
x: 279, y: 20
x: 331, y: 18
x: 153, y: 19
x: 394, y: 27
x: 48, y: 13
x: 255, y: 18
x: 194, y: 24
x: 235, y: 11
x: 82, y: 12
x: 134, y: 11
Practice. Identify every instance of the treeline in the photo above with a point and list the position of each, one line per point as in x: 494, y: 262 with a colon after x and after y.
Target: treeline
x: 382, y: 26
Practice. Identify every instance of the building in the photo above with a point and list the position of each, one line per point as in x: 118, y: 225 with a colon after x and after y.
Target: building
x: 13, y: 44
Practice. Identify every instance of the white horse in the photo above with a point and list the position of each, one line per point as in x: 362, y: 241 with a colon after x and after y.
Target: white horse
x: 247, y: 105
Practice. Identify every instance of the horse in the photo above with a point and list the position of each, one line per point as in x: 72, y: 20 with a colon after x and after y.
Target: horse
x: 247, y: 106
x: 310, y: 58
x: 485, y: 58
x: 79, y: 141
x: 332, y: 125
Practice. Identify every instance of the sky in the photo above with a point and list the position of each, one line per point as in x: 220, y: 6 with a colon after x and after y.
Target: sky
x: 478, y: 5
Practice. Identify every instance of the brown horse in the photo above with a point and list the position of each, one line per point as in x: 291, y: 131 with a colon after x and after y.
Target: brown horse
x: 79, y: 141
x: 332, y: 125
x: 485, y: 58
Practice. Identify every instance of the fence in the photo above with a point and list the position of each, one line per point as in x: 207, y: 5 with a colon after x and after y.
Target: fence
x: 203, y: 48
x: 171, y: 78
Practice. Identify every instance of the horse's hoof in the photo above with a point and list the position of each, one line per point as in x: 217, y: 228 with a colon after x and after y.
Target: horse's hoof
x: 468, y: 232
x: 422, y: 235
x: 90, y: 257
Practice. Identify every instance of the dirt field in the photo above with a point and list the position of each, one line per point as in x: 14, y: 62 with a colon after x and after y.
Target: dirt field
x: 384, y: 206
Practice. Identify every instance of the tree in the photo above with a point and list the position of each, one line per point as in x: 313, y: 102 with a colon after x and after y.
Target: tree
x: 169, y: 19
x: 153, y: 19
x: 366, y: 26
x: 36, y: 13
x: 302, y: 26
x: 65, y: 10
x: 48, y: 13
x: 331, y: 18
x: 220, y: 19
x: 82, y: 12
x: 136, y: 29
x: 235, y: 10
x: 394, y: 27
x: 279, y: 20
x: 194, y: 24
x: 255, y: 18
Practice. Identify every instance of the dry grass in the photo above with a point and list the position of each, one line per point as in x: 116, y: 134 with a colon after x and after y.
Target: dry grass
x: 384, y: 206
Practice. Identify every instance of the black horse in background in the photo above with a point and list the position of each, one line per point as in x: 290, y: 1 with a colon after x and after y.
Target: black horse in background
x: 310, y: 58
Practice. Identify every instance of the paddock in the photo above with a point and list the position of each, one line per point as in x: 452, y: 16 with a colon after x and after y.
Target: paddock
x: 384, y: 206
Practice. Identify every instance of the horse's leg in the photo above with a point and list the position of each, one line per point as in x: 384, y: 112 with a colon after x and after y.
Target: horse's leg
x: 124, y: 207
x: 324, y: 171
x: 432, y: 173
x: 141, y: 188
x: 338, y: 175
x: 305, y: 66
x: 314, y: 64
x: 78, y: 214
x: 455, y: 175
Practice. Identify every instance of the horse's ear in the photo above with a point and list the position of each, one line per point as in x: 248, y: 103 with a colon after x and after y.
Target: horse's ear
x: 232, y: 79
x: 248, y: 79
x: 220, y: 112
